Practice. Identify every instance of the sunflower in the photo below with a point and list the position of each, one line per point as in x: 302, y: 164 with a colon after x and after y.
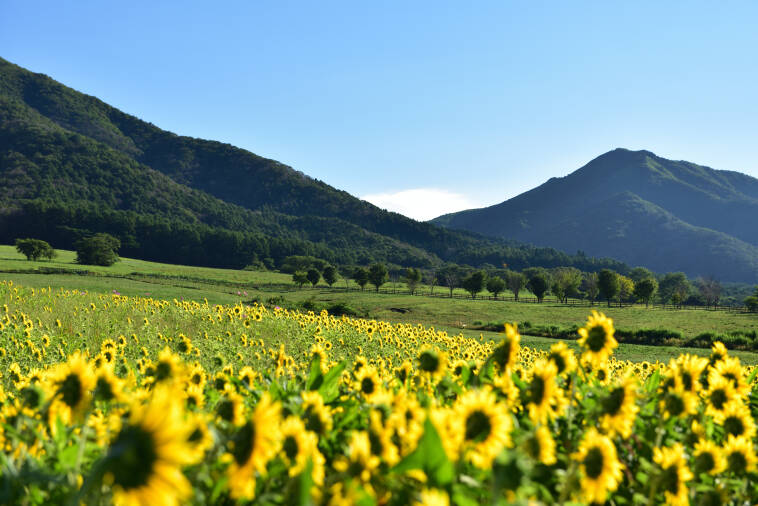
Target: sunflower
x: 194, y: 397
x: 543, y: 397
x: 597, y: 339
x: 407, y: 421
x: 563, y: 357
x: 599, y: 464
x: 687, y: 369
x: 299, y: 446
x: 731, y: 369
x: 541, y: 446
x: 718, y: 353
x: 199, y: 438
x: 432, y: 362
x: 108, y: 387
x: 674, y: 474
x: 505, y: 355
x: 359, y: 462
x: 708, y: 458
x: 252, y: 447
x: 231, y: 408
x: 619, y: 407
x: 404, y: 371
x: 736, y: 420
x: 380, y: 437
x: 70, y: 386
x: 368, y: 383
x: 315, y: 414
x: 432, y: 497
x: 720, y: 393
x: 144, y: 461
x: 485, y: 426
x: 168, y: 368
x: 247, y: 376
x: 740, y: 455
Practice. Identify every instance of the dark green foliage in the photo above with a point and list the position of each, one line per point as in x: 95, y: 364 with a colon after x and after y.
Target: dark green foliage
x: 674, y: 288
x: 360, y: 276
x: 474, y: 283
x: 330, y: 275
x: 516, y: 282
x: 412, y: 278
x: 299, y: 278
x: 640, y: 208
x: 34, y: 249
x: 377, y: 275
x: 752, y: 302
x: 99, y: 249
x: 314, y: 276
x: 538, y: 284
x: 495, y: 285
x: 608, y: 285
x: 645, y: 289
x: 72, y: 166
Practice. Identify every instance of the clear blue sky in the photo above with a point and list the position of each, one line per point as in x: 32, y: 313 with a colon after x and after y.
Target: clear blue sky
x: 482, y: 100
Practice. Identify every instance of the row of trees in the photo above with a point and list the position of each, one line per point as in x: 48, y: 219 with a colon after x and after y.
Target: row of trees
x: 98, y: 249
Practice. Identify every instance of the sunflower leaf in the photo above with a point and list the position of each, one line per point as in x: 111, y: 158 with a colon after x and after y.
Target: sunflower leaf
x: 430, y: 457
x: 315, y: 378
x: 329, y: 389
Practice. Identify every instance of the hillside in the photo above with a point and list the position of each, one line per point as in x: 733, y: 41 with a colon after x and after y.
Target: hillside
x: 640, y: 208
x: 71, y: 165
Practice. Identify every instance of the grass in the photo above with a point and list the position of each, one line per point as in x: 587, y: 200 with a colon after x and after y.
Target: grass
x: 222, y: 286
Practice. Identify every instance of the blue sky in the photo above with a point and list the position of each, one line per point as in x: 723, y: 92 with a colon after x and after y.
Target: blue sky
x: 422, y: 107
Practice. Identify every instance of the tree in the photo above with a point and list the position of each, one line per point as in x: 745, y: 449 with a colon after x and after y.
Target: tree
x: 590, y: 286
x: 431, y: 280
x: 752, y: 302
x: 412, y: 278
x: 538, y: 284
x: 645, y: 288
x: 360, y: 275
x: 474, y: 283
x: 330, y: 275
x: 450, y: 277
x: 608, y: 284
x: 710, y: 290
x: 314, y: 276
x: 377, y: 275
x: 674, y: 288
x: 495, y: 285
x: 626, y: 288
x: 639, y: 273
x: 99, y: 249
x: 566, y: 281
x: 299, y: 278
x: 34, y: 249
x: 515, y: 282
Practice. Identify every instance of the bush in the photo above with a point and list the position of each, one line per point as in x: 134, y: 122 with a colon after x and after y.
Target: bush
x: 100, y: 249
x: 34, y: 249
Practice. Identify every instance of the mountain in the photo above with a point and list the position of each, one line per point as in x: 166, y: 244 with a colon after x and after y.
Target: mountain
x: 640, y: 208
x: 71, y: 165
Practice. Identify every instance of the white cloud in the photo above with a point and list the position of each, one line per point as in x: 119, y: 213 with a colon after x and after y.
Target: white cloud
x: 421, y: 203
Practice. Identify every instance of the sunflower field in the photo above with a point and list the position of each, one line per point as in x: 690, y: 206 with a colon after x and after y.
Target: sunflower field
x: 106, y: 399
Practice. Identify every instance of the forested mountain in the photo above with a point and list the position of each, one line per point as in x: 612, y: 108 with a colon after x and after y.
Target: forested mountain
x: 71, y: 165
x: 640, y: 208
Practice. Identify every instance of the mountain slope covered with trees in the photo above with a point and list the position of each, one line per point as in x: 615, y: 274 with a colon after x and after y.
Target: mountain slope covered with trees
x: 72, y: 166
x: 640, y: 208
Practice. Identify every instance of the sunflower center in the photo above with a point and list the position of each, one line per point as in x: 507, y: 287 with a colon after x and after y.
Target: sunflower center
x: 197, y: 378
x: 478, y: 426
x: 737, y: 462
x: 367, y: 386
x: 313, y: 422
x: 718, y: 398
x: 593, y: 463
x: 674, y: 404
x: 196, y: 436
x: 132, y: 457
x: 502, y: 354
x: 162, y: 371
x: 225, y: 410
x: 734, y: 425
x: 670, y: 479
x: 244, y: 441
x: 376, y: 443
x: 559, y: 362
x: 537, y: 390
x: 612, y: 404
x: 596, y: 338
x: 71, y: 390
x: 103, y: 389
x: 290, y: 447
x: 704, y: 462
x: 533, y: 447
x: 687, y: 381
x: 429, y: 362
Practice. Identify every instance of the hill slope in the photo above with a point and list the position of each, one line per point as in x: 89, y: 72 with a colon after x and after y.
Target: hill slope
x: 71, y: 165
x: 640, y: 208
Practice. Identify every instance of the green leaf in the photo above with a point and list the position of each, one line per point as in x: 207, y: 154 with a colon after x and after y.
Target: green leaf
x: 329, y: 390
x: 315, y: 378
x: 67, y: 457
x: 430, y: 457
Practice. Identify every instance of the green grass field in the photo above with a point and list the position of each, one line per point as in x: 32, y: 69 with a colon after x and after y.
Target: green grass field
x: 220, y: 286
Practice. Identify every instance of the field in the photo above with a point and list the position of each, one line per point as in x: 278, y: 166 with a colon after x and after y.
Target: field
x: 222, y: 286
x: 135, y: 400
